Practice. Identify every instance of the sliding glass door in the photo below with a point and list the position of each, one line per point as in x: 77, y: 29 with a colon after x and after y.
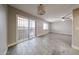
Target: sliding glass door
x: 22, y: 28
x: 31, y: 28
x: 25, y: 28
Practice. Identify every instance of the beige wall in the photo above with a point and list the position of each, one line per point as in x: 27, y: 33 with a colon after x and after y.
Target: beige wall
x: 62, y: 27
x: 12, y: 23
x: 75, y: 40
x: 3, y: 29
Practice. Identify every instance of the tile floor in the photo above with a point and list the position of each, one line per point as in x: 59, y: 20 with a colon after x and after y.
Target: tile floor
x: 51, y: 44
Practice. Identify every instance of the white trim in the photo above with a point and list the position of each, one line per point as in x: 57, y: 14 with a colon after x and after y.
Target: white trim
x: 62, y: 33
x: 75, y: 47
x: 17, y: 42
x: 12, y: 44
x: 73, y: 33
x: 42, y: 34
x: 5, y: 51
x: 16, y: 28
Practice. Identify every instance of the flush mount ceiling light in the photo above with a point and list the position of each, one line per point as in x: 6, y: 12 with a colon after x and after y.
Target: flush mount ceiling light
x: 41, y: 9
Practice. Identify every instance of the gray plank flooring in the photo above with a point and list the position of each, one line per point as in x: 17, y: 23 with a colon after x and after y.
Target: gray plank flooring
x: 51, y: 44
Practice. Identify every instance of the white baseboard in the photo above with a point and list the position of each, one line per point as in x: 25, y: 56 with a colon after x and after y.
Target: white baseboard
x: 42, y: 34
x: 21, y: 41
x: 5, y: 51
x: 62, y: 33
x: 16, y: 43
x: 12, y: 44
x: 75, y: 47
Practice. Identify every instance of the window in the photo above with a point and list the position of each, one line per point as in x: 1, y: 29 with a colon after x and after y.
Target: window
x: 45, y: 26
x: 32, y: 23
x: 22, y: 22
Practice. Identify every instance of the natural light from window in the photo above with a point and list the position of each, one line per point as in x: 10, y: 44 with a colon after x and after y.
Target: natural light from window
x: 22, y: 22
x: 45, y: 26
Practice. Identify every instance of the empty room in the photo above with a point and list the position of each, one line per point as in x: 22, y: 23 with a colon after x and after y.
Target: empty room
x: 39, y: 29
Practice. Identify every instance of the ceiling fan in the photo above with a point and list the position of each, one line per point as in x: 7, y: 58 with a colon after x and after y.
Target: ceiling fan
x: 66, y: 17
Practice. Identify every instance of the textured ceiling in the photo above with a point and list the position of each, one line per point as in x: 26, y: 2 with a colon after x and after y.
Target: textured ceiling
x: 54, y: 11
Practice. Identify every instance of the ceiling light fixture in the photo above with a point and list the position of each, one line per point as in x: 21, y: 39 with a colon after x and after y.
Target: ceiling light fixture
x: 63, y: 19
x: 41, y: 9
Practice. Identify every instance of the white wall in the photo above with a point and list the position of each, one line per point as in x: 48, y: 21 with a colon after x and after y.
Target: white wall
x: 3, y: 29
x: 39, y: 28
x: 63, y: 27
